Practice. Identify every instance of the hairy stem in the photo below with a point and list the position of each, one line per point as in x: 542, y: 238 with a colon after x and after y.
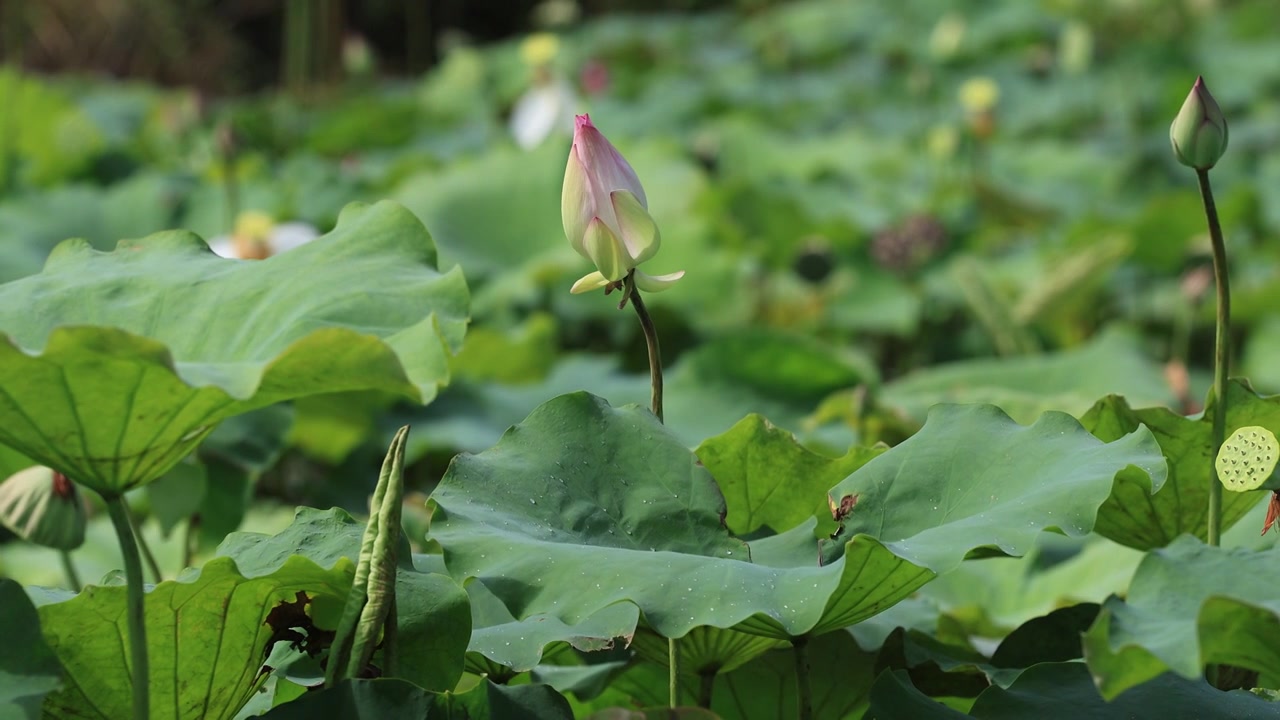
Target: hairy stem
x: 1221, y: 351
x: 804, y: 695
x: 139, y: 665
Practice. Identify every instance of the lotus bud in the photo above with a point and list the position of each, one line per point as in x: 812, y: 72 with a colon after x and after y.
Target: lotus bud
x: 606, y: 215
x: 1199, y: 132
x: 43, y: 507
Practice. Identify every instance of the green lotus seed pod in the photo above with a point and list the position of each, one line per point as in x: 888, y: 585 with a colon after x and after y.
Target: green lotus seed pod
x: 43, y: 507
x: 1247, y: 458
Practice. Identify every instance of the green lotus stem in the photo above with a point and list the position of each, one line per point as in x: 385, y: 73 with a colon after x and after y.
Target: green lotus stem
x: 705, y: 689
x: 188, y: 541
x: 152, y: 566
x: 804, y: 694
x: 137, y: 619
x: 69, y: 569
x: 1221, y: 352
x: 651, y: 341
x: 673, y: 677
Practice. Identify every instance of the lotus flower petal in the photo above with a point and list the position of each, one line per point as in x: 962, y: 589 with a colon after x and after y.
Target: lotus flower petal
x: 657, y: 283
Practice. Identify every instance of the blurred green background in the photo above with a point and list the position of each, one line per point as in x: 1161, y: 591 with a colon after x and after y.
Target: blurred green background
x: 879, y: 206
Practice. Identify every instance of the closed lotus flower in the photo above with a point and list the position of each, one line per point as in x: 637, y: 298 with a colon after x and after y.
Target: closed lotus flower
x: 1199, y: 132
x: 605, y: 213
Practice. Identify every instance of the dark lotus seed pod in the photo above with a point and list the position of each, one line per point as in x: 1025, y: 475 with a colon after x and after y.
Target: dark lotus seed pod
x: 910, y: 245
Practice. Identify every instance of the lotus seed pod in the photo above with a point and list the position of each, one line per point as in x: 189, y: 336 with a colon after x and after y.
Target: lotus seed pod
x: 1247, y: 458
x: 43, y: 507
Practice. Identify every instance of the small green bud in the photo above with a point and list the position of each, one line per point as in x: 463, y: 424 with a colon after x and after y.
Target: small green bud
x: 1199, y: 132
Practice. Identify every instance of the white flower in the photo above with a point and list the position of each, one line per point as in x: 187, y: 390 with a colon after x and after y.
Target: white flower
x: 256, y: 237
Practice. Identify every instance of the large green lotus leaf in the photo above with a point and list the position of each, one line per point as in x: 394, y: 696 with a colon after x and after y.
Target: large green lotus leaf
x: 33, y: 223
x: 434, y: 621
x: 974, y: 478
x: 1065, y: 691
x: 840, y: 674
x: 1141, y: 520
x: 322, y: 536
x: 381, y: 699
x: 11, y: 461
x: 583, y: 506
x: 434, y: 615
x: 331, y: 427
x: 207, y: 637
x: 135, y: 355
x: 770, y: 480
x: 639, y: 685
x: 253, y: 441
x: 490, y: 701
x: 520, y: 643
x: 840, y: 677
x: 45, y: 129
x: 1011, y: 591
x: 582, y: 682
x: 1025, y: 387
x: 494, y: 214
x: 394, y: 699
x: 524, y: 354
x: 29, y: 670
x: 893, y: 697
x: 502, y: 644
x: 705, y: 650
x: 1189, y: 605
x: 1055, y: 637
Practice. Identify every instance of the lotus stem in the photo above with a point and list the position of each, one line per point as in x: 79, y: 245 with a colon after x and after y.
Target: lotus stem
x: 708, y: 685
x: 69, y: 570
x: 1221, y: 352
x: 189, y: 540
x: 152, y: 566
x: 651, y: 341
x: 673, y: 678
x: 804, y: 694
x: 140, y: 665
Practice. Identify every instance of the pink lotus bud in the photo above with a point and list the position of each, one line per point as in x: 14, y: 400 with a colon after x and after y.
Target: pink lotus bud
x: 605, y: 213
